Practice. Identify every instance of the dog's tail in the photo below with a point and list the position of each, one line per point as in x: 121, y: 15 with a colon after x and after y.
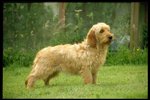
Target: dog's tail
x: 33, y: 66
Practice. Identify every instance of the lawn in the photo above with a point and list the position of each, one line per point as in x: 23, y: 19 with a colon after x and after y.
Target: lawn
x: 128, y: 81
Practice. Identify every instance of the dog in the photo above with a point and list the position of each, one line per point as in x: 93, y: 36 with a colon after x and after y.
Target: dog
x: 83, y: 58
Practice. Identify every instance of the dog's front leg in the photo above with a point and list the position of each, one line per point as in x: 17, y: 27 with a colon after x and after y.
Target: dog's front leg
x: 87, y: 75
x: 94, y: 75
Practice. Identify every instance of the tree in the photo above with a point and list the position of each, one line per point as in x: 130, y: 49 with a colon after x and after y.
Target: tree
x: 138, y: 26
x: 134, y: 32
x: 62, y: 14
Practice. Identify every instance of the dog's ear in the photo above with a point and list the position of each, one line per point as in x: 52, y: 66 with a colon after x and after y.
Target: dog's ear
x: 91, y: 38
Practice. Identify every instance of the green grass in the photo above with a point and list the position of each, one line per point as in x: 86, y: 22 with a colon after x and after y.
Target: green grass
x: 128, y: 81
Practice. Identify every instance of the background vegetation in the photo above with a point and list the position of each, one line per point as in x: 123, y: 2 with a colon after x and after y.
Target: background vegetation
x: 31, y: 27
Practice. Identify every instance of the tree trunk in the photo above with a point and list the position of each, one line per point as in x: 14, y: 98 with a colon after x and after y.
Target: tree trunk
x: 62, y: 14
x: 134, y: 32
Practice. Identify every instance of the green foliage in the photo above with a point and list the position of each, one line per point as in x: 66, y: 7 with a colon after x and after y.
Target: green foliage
x: 25, y: 26
x: 19, y: 57
x: 125, y: 56
x: 112, y: 82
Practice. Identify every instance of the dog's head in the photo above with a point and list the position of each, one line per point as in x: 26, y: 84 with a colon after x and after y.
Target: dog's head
x: 99, y: 34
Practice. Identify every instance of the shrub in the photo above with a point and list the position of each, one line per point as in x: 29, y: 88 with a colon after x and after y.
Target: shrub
x: 126, y: 56
x: 20, y: 57
x: 121, y: 57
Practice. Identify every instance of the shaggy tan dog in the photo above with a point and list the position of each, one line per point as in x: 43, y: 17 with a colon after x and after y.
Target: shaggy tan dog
x: 84, y: 58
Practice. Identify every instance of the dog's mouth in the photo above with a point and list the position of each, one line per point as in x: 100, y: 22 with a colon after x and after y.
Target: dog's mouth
x: 110, y: 39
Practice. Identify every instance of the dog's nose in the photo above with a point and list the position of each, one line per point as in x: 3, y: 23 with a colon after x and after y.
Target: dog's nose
x: 110, y: 37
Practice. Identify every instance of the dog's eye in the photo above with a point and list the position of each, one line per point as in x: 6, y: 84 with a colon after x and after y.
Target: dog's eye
x: 101, y: 31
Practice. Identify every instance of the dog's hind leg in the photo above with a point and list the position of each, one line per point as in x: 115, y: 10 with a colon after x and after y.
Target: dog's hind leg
x: 30, y: 82
x: 46, y: 81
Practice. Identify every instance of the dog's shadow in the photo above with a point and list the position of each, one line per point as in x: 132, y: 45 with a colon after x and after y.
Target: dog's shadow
x: 59, y: 85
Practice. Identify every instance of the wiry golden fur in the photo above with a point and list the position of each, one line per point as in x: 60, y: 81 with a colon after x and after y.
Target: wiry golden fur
x: 84, y: 58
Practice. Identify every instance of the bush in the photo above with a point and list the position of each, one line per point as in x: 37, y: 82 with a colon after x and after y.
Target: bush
x: 123, y: 56
x: 19, y: 57
x: 126, y: 56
